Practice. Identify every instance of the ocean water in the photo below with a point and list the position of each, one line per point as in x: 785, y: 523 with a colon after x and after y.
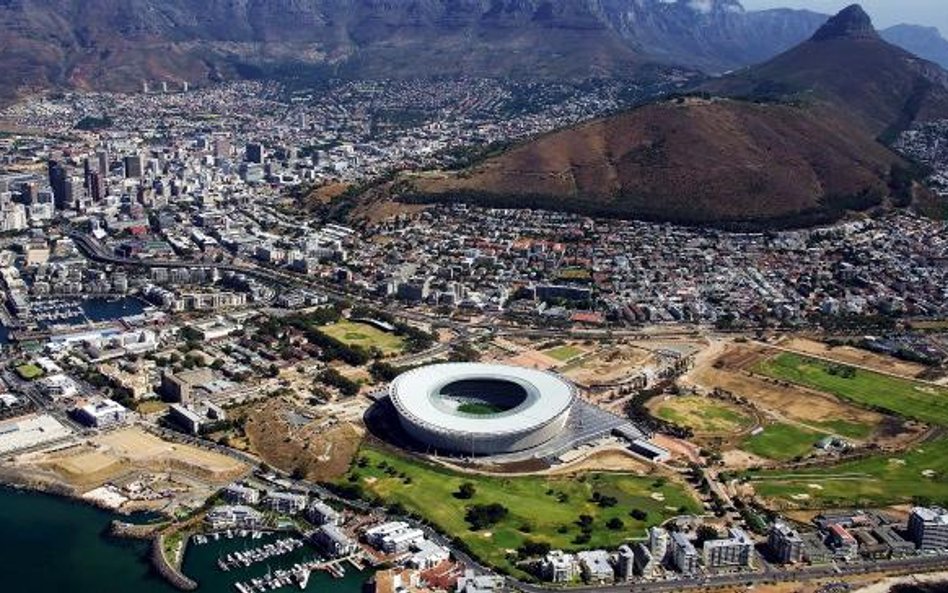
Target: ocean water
x: 53, y: 545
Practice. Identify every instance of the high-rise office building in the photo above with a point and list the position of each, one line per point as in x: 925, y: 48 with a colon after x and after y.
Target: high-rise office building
x: 254, y: 153
x: 57, y: 181
x: 133, y: 166
x: 102, y: 158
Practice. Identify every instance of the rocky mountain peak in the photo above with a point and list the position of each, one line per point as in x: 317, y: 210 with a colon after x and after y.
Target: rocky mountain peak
x: 851, y: 23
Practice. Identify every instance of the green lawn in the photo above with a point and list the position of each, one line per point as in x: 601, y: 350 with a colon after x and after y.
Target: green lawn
x: 919, y: 475
x: 704, y: 415
x: 845, y: 428
x: 564, y: 353
x: 28, y: 372
x: 781, y: 442
x: 540, y: 508
x: 904, y: 397
x: 361, y: 334
x: 479, y: 409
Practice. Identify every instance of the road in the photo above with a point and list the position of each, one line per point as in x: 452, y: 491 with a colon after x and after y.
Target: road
x: 812, y: 573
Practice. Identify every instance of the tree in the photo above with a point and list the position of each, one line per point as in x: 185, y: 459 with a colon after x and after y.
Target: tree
x: 466, y: 491
x: 615, y: 524
x: 533, y: 549
x: 482, y: 516
x: 706, y: 533
x: 638, y: 514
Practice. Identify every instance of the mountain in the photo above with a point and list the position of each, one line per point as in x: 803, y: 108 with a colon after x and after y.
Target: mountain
x: 690, y: 161
x: 115, y: 44
x: 796, y: 145
x: 847, y: 63
x: 925, y: 42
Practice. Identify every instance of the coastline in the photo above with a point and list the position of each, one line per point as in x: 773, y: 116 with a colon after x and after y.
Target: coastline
x: 119, y: 529
x: 163, y: 566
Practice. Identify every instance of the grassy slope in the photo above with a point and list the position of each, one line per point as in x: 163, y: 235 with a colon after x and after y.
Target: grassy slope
x: 919, y: 475
x: 872, y: 482
x: 781, y: 442
x: 900, y: 396
x: 532, y: 501
x: 703, y: 415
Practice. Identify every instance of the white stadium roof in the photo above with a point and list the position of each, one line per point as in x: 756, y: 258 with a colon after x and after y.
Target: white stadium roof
x: 416, y: 395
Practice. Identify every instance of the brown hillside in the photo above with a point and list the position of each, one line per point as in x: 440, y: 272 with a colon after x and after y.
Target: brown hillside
x: 690, y: 161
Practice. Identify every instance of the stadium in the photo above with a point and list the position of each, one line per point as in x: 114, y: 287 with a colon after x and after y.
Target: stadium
x: 481, y: 409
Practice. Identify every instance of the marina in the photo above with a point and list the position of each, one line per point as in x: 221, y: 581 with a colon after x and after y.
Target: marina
x: 253, y: 556
x: 52, y: 528
x: 298, y: 569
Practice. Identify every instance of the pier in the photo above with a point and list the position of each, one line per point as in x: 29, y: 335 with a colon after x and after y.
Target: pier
x: 298, y: 574
x: 260, y: 554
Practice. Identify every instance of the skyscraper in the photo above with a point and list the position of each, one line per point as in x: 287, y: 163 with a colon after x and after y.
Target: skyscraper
x: 57, y: 181
x: 133, y: 166
x: 254, y: 153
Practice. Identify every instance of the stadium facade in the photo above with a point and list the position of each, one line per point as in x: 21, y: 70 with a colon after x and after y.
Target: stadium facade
x: 481, y: 409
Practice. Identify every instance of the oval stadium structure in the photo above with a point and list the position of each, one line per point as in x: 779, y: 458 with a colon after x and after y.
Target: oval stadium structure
x: 481, y: 409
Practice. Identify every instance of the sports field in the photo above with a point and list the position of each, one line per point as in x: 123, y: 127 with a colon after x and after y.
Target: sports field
x: 919, y: 475
x: 479, y: 409
x: 704, y: 415
x: 781, y: 442
x: 564, y: 353
x: 28, y: 372
x: 904, y: 397
x: 361, y: 334
x: 545, y: 509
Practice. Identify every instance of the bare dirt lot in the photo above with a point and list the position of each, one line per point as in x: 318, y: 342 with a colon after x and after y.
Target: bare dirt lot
x: 609, y: 365
x: 532, y: 359
x: 855, y: 356
x: 606, y: 460
x: 106, y: 457
x: 124, y: 456
x: 729, y: 372
x: 315, y: 448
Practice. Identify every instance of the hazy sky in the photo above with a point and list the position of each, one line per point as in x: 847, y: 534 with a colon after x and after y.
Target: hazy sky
x: 884, y: 12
